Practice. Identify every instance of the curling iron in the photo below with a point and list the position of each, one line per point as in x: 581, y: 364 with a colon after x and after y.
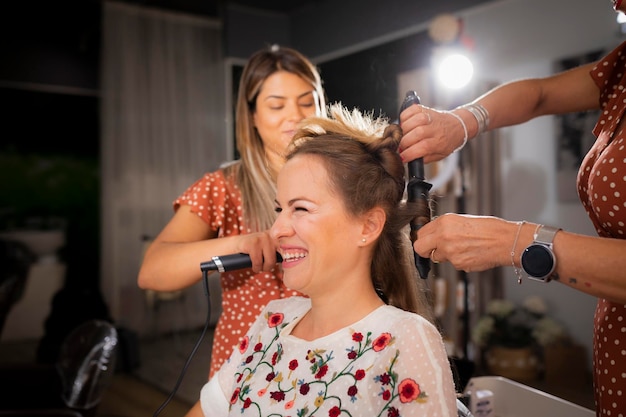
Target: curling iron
x: 417, y: 192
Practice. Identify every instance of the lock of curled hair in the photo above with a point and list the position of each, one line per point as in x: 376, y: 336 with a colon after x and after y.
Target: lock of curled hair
x: 360, y: 152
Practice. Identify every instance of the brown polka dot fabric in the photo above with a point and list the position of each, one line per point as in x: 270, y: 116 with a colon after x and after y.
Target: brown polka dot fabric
x: 601, y: 188
x: 217, y: 201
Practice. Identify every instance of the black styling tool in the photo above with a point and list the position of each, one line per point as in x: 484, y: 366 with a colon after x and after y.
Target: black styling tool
x: 417, y: 192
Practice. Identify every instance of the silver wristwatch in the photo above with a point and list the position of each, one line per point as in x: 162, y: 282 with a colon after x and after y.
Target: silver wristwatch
x: 538, y: 260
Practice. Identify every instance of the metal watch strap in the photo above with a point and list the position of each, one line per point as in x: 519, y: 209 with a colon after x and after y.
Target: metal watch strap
x: 543, y: 236
x: 546, y: 235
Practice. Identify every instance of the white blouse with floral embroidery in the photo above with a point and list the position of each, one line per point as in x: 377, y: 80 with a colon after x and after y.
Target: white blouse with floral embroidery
x: 390, y: 363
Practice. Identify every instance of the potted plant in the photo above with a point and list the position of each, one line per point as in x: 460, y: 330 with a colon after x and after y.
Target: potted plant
x: 513, y: 336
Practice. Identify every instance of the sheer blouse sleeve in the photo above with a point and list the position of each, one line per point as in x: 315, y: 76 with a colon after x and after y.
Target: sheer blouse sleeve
x: 423, y: 368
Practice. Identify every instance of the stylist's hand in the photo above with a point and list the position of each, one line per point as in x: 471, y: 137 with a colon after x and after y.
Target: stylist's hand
x: 261, y: 248
x: 429, y: 133
x: 469, y: 243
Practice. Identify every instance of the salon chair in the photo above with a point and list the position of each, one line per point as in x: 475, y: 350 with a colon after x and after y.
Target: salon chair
x: 73, y: 386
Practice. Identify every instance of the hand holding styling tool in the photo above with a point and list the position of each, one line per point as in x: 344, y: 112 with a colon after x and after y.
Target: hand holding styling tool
x: 417, y: 192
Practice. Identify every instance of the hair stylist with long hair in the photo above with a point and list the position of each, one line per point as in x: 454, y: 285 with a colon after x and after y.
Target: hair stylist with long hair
x: 595, y: 265
x: 230, y: 210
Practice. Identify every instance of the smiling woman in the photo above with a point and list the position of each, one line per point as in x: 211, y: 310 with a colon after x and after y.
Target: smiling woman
x: 339, y: 235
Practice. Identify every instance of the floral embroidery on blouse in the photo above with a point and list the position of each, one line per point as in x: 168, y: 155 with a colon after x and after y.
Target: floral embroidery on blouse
x: 261, y: 359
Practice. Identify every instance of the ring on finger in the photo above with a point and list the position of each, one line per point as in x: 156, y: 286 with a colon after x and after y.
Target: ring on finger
x: 432, y: 256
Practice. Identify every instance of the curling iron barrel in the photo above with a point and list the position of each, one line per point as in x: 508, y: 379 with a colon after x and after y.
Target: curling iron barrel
x: 417, y: 192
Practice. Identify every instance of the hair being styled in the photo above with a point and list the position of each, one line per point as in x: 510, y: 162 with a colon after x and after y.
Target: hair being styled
x: 257, y: 186
x: 361, y: 155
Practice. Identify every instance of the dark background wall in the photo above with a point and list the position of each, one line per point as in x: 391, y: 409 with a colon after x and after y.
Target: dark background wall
x: 367, y: 79
x: 49, y: 75
x: 49, y: 171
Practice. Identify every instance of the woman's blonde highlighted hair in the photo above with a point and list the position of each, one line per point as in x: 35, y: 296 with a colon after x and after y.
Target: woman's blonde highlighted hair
x: 257, y: 186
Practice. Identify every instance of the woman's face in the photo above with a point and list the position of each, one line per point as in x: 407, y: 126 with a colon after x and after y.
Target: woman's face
x: 319, y: 240
x: 283, y: 101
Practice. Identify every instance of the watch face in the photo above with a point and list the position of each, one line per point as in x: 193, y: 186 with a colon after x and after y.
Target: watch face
x: 538, y: 261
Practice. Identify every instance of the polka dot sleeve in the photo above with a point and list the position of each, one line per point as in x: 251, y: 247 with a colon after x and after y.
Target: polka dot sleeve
x: 214, y: 198
x: 610, y: 77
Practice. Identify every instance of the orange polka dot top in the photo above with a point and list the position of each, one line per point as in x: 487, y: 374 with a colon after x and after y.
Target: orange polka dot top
x: 217, y: 201
x: 602, y: 190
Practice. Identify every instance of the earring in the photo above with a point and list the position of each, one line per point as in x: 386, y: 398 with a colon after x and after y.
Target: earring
x: 363, y: 240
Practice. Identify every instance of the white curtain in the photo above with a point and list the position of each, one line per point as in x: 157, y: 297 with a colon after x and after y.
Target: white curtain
x: 163, y: 125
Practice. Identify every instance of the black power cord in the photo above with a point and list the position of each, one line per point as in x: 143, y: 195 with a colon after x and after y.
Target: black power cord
x: 205, y: 280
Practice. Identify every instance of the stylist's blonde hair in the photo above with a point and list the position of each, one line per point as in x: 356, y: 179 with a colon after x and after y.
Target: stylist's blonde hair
x: 257, y: 186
